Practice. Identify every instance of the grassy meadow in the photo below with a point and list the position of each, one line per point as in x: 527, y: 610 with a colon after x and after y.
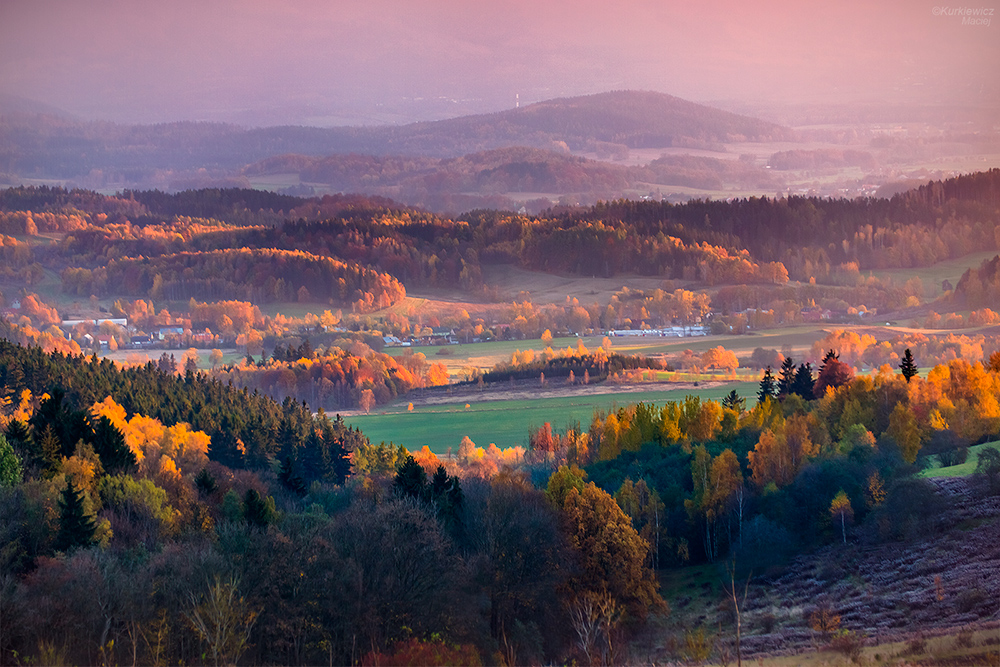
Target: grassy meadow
x: 507, y: 423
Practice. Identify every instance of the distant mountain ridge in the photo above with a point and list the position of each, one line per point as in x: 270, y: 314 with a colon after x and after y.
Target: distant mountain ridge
x: 42, y: 146
x: 446, y: 185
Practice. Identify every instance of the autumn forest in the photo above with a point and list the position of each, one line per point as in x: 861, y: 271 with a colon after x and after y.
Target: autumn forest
x: 797, y: 407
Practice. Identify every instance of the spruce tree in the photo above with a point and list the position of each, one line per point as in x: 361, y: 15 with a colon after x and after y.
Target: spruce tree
x: 76, y: 527
x: 257, y: 510
x: 411, y: 480
x: 787, y: 377
x: 803, y: 383
x: 766, y: 386
x: 109, y: 443
x: 733, y: 401
x: 907, y: 366
x: 49, y: 450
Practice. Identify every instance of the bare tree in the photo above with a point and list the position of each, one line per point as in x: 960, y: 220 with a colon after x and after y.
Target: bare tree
x: 223, y: 619
x: 738, y: 602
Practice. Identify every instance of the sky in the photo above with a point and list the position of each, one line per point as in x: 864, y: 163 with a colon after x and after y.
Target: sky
x: 333, y: 62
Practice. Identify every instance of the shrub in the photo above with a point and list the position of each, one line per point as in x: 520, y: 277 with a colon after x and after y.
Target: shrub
x: 953, y: 457
x: 697, y: 646
x: 849, y: 644
x: 916, y: 646
x: 969, y: 599
x: 767, y: 622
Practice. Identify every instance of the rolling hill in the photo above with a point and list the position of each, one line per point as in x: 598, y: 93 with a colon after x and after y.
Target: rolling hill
x: 41, y: 145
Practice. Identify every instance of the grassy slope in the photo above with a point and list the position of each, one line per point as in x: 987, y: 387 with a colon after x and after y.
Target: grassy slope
x: 962, y: 469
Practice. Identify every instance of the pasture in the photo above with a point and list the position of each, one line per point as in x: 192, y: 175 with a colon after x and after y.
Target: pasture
x: 507, y: 423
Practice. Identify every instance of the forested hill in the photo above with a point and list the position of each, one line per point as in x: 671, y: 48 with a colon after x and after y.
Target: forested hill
x: 56, y: 147
x: 632, y: 118
x: 756, y: 240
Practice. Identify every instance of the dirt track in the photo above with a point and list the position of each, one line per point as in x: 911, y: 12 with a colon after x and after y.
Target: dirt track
x: 529, y: 389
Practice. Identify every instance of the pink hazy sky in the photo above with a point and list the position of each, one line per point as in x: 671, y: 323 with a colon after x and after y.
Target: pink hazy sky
x: 330, y: 62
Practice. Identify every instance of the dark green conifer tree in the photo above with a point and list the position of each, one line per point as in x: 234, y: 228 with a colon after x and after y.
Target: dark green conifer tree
x: 109, y: 443
x: 787, y: 377
x: 766, y: 386
x: 411, y: 480
x: 49, y: 450
x: 734, y: 401
x: 803, y: 382
x: 258, y: 511
x: 907, y: 366
x: 76, y: 527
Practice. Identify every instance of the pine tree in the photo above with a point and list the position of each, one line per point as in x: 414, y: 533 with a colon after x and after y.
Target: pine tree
x: 733, y: 401
x: 19, y: 437
x: 907, y: 367
x: 76, y: 527
x: 109, y: 443
x: 826, y: 358
x: 766, y: 386
x: 49, y: 450
x: 258, y: 511
x: 787, y: 377
x: 803, y: 383
x: 411, y: 480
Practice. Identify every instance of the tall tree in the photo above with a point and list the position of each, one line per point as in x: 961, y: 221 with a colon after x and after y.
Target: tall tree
x: 10, y: 464
x: 840, y: 510
x: 109, y: 443
x: 411, y: 480
x: 767, y: 387
x: 833, y: 373
x: 76, y: 527
x: 612, y: 555
x: 733, y: 401
x: 903, y: 429
x: 787, y: 377
x: 803, y: 383
x: 907, y: 366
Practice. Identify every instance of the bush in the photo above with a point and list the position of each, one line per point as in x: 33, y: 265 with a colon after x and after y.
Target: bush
x: 988, y: 465
x: 953, y: 457
x: 767, y: 622
x: 969, y: 599
x: 964, y: 639
x: 849, y: 644
x: 916, y: 646
x: 912, y: 507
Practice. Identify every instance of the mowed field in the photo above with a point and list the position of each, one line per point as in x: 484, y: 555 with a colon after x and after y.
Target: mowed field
x: 508, y: 423
x: 484, y: 356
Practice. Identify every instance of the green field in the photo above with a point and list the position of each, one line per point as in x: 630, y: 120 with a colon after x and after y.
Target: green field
x: 507, y: 423
x: 486, y: 355
x: 962, y: 469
